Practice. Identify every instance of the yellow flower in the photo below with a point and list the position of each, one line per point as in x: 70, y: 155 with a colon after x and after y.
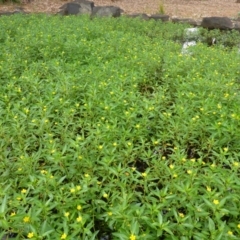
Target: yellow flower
x: 209, y: 189
x: 189, y: 171
x: 114, y: 144
x: 163, y: 158
x: 26, y: 219
x: 132, y: 237
x: 175, y: 175
x: 105, y: 195
x: 79, y: 207
x: 181, y: 215
x: 171, y: 166
x: 137, y: 126
x: 109, y: 213
x: 23, y: 190
x: 66, y: 214
x: 12, y: 214
x: 238, y: 225
x: 225, y: 149
x: 79, y: 219
x: 230, y: 233
x: 215, y: 201
x: 100, y: 147
x: 72, y: 190
x: 30, y: 235
x: 86, y: 175
x: 64, y: 236
x: 78, y: 188
x: 236, y: 164
x: 144, y: 174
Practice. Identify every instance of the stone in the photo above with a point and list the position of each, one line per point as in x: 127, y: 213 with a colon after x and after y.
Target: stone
x: 222, y: 23
x: 191, y: 34
x: 162, y: 17
x: 142, y: 16
x: 186, y: 21
x: 17, y: 11
x: 106, y: 11
x: 77, y: 7
x: 86, y: 6
x: 186, y: 46
x: 236, y: 25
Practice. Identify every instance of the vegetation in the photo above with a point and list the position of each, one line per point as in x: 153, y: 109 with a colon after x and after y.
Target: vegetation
x: 9, y: 1
x: 109, y: 132
x: 161, y: 9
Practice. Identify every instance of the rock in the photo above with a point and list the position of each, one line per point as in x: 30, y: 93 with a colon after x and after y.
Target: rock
x: 142, y: 16
x: 77, y: 7
x: 236, y: 25
x: 86, y: 6
x: 222, y: 23
x: 187, y: 21
x: 191, y: 34
x: 161, y: 17
x: 186, y: 46
x: 238, y: 1
x: 106, y: 11
x: 17, y: 11
x: 6, y: 13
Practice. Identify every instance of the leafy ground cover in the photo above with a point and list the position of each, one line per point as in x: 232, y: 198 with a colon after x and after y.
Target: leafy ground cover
x: 109, y: 132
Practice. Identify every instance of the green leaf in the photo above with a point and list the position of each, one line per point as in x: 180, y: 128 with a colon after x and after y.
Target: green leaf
x: 160, y: 218
x: 4, y: 204
x: 211, y: 225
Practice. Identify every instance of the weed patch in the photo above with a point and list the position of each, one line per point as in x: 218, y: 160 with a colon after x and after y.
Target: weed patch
x: 109, y: 132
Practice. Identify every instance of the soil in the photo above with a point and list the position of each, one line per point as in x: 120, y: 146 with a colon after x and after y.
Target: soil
x: 195, y: 9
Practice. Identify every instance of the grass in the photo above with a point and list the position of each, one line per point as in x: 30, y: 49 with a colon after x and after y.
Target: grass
x: 108, y: 132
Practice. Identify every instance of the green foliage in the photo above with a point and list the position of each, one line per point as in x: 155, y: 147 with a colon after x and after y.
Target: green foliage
x: 9, y: 1
x: 107, y: 130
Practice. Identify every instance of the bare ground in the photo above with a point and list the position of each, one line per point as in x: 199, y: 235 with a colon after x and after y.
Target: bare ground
x: 175, y: 8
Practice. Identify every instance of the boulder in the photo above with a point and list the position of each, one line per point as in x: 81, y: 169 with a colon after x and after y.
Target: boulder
x: 162, y: 17
x: 11, y: 13
x: 222, y: 23
x: 142, y: 16
x: 186, y: 48
x: 106, y: 11
x: 77, y: 7
x: 86, y: 6
x: 187, y: 21
x: 191, y: 34
x: 236, y: 25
